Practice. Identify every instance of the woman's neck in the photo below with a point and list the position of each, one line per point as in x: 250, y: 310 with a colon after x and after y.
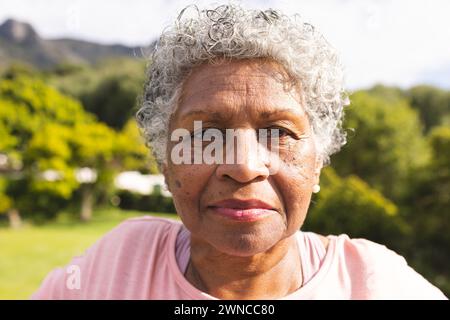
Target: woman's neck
x: 268, y: 275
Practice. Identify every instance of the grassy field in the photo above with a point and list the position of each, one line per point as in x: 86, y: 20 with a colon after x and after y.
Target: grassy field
x: 28, y: 254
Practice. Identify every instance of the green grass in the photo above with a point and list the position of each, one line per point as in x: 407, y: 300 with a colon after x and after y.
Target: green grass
x: 29, y: 253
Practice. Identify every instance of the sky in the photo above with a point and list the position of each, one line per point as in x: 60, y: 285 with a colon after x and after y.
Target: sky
x: 394, y: 42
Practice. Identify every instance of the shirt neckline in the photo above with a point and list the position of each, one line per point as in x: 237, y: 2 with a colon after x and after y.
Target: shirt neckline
x: 301, y: 293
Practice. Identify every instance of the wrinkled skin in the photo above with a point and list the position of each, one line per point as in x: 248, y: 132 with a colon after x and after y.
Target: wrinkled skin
x: 245, y: 260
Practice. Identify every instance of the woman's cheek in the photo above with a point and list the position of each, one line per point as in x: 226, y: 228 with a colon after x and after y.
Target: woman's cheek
x: 297, y: 160
x: 296, y: 172
x: 187, y: 184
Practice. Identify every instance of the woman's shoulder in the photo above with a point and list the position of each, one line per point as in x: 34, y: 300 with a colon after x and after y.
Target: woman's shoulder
x: 138, y: 232
x: 142, y: 234
x: 365, y: 255
x: 148, y: 222
x: 383, y: 272
x: 118, y: 257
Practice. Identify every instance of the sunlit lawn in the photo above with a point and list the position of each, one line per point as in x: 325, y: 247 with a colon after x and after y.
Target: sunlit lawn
x: 28, y: 254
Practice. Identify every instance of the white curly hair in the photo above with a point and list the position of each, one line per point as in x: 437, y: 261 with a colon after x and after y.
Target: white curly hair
x: 233, y: 32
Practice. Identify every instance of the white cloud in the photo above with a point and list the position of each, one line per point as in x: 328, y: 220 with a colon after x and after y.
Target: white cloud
x: 393, y: 42
x: 397, y: 42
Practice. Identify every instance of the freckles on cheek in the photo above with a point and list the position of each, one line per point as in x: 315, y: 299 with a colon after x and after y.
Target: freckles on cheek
x: 188, y: 180
x: 189, y: 183
x: 297, y: 161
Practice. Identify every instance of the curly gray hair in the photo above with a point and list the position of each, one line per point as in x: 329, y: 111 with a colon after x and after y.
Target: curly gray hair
x: 230, y: 31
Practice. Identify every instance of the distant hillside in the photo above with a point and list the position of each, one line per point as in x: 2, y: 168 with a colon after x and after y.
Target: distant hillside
x: 20, y: 42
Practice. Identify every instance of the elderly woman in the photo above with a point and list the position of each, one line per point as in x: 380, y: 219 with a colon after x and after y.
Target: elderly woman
x: 274, y: 84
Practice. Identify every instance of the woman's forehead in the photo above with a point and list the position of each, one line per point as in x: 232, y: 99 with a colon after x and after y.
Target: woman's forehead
x: 237, y: 74
x: 241, y: 84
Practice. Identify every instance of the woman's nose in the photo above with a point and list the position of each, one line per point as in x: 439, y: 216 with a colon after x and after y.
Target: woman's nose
x: 246, y: 159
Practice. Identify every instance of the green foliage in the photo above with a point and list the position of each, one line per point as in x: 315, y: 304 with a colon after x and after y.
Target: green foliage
x: 18, y: 69
x: 47, y: 136
x: 24, y: 106
x: 51, y: 141
x: 62, y: 186
x: 432, y: 103
x: 5, y: 201
x: 8, y: 141
x: 429, y: 211
x: 440, y: 143
x: 132, y: 152
x: 39, y: 125
x: 33, y: 97
x: 113, y: 100
x: 387, y: 93
x: 349, y: 205
x: 386, y: 135
x: 67, y: 69
x: 92, y: 143
x: 109, y: 89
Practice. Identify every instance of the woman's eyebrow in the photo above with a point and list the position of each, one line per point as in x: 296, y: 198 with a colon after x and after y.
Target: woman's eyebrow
x: 290, y: 114
x: 264, y: 114
x: 281, y: 112
x: 215, y: 116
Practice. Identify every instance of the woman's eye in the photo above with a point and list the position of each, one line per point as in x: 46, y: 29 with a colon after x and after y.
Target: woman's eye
x: 283, y: 133
x: 274, y: 132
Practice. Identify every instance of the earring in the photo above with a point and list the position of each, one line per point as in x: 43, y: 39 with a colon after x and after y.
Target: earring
x: 316, y: 188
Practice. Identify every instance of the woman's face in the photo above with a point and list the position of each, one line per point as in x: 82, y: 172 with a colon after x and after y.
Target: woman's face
x: 218, y: 202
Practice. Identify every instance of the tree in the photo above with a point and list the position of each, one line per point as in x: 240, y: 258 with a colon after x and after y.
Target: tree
x: 432, y: 103
x: 429, y: 211
x: 386, y: 145
x: 93, y: 147
x: 109, y: 89
x: 7, y: 144
x: 43, y: 131
x: 388, y: 93
x: 7, y: 207
x: 113, y: 100
x: 131, y: 150
x: 349, y: 205
x: 28, y: 108
x: 47, y: 137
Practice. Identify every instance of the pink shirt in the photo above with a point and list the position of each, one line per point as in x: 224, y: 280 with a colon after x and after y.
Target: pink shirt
x: 145, y: 258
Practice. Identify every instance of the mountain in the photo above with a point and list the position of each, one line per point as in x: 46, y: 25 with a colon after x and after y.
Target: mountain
x: 20, y: 42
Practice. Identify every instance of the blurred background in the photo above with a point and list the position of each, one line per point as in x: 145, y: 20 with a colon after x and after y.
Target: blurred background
x: 73, y: 165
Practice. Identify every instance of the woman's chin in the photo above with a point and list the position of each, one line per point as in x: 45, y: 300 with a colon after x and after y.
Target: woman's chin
x: 246, y: 243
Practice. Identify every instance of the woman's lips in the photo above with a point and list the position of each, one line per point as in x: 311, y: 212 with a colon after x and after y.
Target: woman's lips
x: 252, y: 214
x: 243, y: 210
